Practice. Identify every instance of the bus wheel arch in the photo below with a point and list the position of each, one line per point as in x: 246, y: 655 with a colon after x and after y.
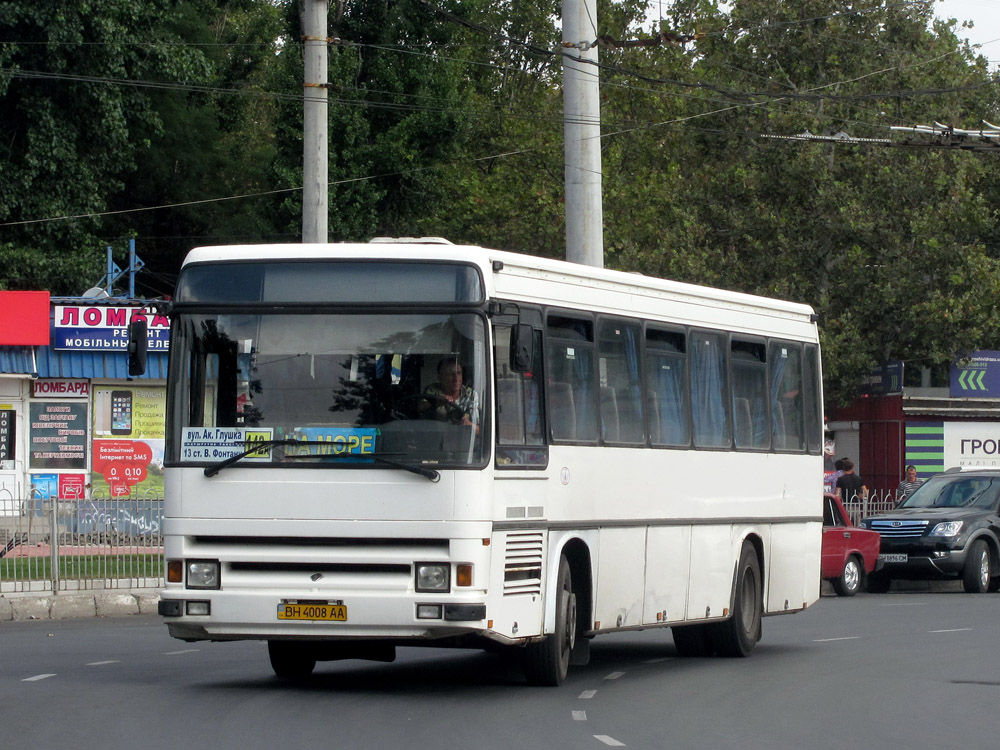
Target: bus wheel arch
x: 547, y: 661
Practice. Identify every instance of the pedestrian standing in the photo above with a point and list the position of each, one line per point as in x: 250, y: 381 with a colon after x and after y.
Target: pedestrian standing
x: 850, y: 487
x: 908, y: 485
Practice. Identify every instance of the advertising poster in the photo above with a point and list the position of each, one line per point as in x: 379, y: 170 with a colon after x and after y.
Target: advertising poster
x: 44, y: 486
x: 72, y: 486
x: 128, y: 441
x: 58, y: 435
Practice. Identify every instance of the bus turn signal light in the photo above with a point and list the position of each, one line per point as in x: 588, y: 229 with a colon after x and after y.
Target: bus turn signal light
x: 175, y: 571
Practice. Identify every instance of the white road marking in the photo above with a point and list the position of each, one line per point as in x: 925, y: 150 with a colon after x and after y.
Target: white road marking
x: 587, y: 695
x: 830, y: 640
x: 185, y: 651
x: 953, y: 630
x: 614, y: 675
x: 102, y: 663
x: 579, y: 716
x: 657, y: 661
x: 609, y: 740
x: 37, y: 677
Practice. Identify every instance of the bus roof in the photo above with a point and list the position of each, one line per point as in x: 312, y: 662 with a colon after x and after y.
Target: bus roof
x: 507, y: 272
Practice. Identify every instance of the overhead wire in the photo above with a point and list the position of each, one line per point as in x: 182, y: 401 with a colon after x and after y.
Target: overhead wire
x: 772, y: 98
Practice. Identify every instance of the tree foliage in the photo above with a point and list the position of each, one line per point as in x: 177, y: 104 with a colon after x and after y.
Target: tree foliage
x: 446, y: 119
x: 71, y: 126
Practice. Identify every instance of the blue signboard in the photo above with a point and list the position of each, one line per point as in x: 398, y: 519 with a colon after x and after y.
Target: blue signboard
x: 976, y: 376
x: 105, y: 328
x: 884, y: 380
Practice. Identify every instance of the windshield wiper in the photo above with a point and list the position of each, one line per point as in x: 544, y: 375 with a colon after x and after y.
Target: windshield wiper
x: 211, y: 471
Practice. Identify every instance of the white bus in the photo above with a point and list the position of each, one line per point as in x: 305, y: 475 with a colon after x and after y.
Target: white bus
x: 620, y: 453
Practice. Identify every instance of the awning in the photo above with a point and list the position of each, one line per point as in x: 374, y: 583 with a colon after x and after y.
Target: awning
x: 17, y: 360
x: 971, y: 408
x: 45, y: 362
x: 54, y: 363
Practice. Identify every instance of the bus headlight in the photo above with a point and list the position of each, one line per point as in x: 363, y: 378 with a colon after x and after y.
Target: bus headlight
x: 203, y: 574
x: 432, y: 577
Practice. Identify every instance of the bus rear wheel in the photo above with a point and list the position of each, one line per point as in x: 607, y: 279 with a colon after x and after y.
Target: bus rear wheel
x: 547, y: 662
x: 738, y: 635
x: 291, y: 660
x: 693, y: 640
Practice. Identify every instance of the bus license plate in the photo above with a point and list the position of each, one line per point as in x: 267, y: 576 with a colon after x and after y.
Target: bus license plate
x: 893, y: 557
x: 325, y: 611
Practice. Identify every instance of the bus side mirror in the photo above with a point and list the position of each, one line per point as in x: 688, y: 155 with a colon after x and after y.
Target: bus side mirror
x: 137, y: 345
x: 522, y: 348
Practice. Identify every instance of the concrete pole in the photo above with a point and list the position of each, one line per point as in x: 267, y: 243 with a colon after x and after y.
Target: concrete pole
x: 582, y: 135
x: 315, y: 140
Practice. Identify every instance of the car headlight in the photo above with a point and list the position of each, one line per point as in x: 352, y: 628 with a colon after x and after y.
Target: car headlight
x: 432, y: 577
x: 946, y: 528
x: 203, y: 574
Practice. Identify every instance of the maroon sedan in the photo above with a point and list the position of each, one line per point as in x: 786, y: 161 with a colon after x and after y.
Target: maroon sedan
x: 849, y: 553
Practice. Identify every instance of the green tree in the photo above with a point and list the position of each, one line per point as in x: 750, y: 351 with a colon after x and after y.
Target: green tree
x: 887, y: 244
x: 212, y: 142
x: 69, y: 125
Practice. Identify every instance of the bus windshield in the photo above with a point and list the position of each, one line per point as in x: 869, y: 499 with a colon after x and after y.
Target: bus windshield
x: 403, y: 387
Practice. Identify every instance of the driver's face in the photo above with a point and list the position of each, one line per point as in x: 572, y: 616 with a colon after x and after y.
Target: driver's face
x: 451, y: 375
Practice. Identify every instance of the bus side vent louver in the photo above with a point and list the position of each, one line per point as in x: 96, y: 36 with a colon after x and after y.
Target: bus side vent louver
x: 522, y: 573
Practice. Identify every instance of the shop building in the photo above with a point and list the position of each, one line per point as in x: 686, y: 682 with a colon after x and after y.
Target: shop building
x: 73, y: 424
x: 934, y: 421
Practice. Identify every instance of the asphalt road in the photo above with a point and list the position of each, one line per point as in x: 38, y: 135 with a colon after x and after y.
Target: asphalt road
x: 875, y: 671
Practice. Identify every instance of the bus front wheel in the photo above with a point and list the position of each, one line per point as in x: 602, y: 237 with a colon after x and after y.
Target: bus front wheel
x: 738, y: 635
x: 291, y: 660
x: 547, y: 662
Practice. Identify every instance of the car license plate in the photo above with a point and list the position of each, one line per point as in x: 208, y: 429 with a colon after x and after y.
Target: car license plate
x: 894, y: 557
x: 308, y: 610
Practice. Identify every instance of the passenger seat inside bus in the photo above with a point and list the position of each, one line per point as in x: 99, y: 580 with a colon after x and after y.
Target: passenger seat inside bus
x: 510, y: 425
x: 742, y: 422
x: 609, y: 415
x: 653, y: 409
x: 562, y: 412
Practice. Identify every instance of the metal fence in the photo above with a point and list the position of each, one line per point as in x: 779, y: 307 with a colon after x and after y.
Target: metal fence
x: 876, y: 502
x: 49, y: 545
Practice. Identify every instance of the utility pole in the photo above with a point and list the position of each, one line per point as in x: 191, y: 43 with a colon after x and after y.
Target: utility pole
x: 315, y: 139
x: 582, y: 135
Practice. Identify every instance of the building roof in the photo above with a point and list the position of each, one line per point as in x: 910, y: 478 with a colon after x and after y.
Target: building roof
x: 46, y: 362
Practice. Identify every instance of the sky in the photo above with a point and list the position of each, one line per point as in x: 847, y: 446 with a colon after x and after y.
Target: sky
x: 986, y: 16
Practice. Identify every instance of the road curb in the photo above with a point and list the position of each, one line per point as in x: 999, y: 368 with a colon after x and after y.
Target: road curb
x: 76, y: 605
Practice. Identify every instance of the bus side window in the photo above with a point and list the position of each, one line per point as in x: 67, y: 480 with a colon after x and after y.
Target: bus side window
x: 570, y: 350
x: 518, y: 397
x: 813, y: 400
x: 619, y: 371
x: 749, y: 373
x: 666, y: 387
x: 785, y: 361
x: 709, y: 391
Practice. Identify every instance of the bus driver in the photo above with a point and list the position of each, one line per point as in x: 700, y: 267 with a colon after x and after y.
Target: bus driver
x: 448, y: 400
